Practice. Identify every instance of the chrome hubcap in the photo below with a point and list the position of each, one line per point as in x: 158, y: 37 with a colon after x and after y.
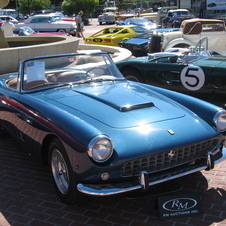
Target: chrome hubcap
x: 60, y: 171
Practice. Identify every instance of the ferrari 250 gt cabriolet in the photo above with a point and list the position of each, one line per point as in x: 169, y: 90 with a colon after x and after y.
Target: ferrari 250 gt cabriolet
x: 102, y: 134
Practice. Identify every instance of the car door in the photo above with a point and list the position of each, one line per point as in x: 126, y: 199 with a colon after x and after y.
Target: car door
x: 9, y: 112
x: 43, y: 24
x: 190, y: 79
x: 218, y: 80
x: 19, y: 118
x: 216, y: 36
x: 123, y: 35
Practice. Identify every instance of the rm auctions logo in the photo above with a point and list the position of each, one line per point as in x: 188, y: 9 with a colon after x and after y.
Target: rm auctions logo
x: 180, y: 204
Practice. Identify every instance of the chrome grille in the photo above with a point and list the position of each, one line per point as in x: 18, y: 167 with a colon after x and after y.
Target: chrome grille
x: 168, y: 159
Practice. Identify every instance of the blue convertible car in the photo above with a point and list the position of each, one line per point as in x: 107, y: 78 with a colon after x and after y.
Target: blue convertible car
x: 101, y: 134
x: 139, y: 45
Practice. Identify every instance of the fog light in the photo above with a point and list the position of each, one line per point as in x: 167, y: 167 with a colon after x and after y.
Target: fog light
x: 104, y: 176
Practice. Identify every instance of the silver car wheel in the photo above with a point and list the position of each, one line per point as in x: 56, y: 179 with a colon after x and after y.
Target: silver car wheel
x: 132, y: 75
x: 132, y: 78
x: 60, y: 171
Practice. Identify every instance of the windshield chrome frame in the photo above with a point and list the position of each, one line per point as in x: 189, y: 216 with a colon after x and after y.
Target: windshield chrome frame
x: 22, y: 66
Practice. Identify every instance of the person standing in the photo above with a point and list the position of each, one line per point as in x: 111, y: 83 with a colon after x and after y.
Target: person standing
x: 8, y: 27
x: 79, y: 29
x: 202, y: 9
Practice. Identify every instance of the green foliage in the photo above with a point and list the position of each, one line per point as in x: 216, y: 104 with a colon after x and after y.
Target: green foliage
x: 71, y: 7
x: 27, y: 6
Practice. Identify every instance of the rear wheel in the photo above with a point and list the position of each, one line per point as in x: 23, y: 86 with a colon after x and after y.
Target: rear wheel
x: 133, y: 75
x: 61, y: 31
x: 62, y: 173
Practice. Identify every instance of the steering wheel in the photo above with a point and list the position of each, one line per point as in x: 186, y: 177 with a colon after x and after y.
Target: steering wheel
x: 96, y: 71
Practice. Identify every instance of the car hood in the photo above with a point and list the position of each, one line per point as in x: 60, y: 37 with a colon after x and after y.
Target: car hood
x: 138, y: 59
x: 211, y: 62
x: 136, y: 41
x: 118, y: 105
x: 205, y: 62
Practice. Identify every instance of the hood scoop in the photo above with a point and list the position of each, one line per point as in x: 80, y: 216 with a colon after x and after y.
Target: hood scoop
x: 125, y: 108
x: 135, y: 107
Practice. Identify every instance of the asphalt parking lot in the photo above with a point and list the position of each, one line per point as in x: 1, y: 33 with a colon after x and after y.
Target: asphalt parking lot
x: 28, y: 197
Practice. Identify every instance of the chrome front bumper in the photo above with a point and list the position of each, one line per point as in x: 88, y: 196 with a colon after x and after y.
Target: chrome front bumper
x: 144, y: 184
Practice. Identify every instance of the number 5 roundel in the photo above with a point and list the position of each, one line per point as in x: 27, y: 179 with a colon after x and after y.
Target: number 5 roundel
x: 192, y: 77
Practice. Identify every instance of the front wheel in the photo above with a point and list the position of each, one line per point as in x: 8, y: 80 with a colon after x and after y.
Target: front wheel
x: 3, y: 132
x: 62, y: 173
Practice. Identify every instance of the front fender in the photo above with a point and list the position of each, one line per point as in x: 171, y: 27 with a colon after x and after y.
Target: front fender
x: 203, y: 109
x: 178, y: 42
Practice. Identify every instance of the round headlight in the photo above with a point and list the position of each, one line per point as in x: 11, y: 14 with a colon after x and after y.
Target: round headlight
x: 100, y: 148
x: 220, y: 120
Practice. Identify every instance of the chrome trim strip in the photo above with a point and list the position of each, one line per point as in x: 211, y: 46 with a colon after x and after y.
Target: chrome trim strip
x: 88, y: 189
x: 210, y: 161
x: 98, y: 191
x: 144, y: 180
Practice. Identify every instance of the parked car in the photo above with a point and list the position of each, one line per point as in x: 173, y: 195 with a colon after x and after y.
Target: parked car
x: 43, y: 11
x: 198, y: 73
x: 139, y: 45
x: 61, y: 16
x: 113, y: 35
x: 10, y: 12
x: 12, y: 19
x: 158, y: 15
x: 27, y: 31
x: 144, y: 23
x: 175, y: 17
x: 47, y: 23
x: 102, y: 134
x: 109, y: 15
x: 191, y: 31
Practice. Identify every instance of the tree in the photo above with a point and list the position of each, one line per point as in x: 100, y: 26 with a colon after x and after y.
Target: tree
x: 27, y: 6
x: 71, y: 7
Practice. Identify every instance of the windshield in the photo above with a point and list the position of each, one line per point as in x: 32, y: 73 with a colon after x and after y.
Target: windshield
x: 110, y: 11
x: 137, y: 21
x: 145, y: 35
x: 181, y: 13
x: 67, y: 69
x: 56, y: 18
x: 138, y: 29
